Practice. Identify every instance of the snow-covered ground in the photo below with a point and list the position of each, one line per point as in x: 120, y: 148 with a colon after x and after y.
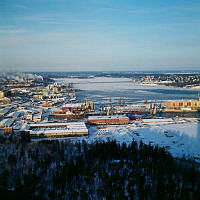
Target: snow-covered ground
x: 180, y: 138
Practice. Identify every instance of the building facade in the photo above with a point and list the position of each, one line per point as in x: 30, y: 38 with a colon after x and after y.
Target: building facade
x: 108, y: 119
x: 182, y: 105
x: 2, y: 94
x: 58, y: 129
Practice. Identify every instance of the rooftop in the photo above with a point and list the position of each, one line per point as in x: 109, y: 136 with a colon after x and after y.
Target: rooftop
x: 59, y: 131
x: 107, y: 117
x: 73, y: 105
x: 183, y: 100
x: 74, y: 124
x: 157, y: 120
x: 53, y: 128
x: 132, y: 106
x: 7, y: 122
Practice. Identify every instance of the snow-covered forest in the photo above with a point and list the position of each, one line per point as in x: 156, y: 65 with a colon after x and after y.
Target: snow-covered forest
x: 54, y: 169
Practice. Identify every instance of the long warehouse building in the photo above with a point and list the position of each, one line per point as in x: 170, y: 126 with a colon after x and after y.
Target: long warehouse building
x: 108, y: 119
x: 58, y: 129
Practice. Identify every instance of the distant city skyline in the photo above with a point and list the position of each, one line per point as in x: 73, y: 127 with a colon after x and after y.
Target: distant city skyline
x: 106, y: 35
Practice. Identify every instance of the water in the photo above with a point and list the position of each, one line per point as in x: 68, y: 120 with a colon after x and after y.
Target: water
x: 101, y: 89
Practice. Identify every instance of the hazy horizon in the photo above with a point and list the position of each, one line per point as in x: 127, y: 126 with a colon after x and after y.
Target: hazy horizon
x: 106, y: 71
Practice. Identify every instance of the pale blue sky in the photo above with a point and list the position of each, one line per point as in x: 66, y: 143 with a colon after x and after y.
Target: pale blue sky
x: 94, y: 35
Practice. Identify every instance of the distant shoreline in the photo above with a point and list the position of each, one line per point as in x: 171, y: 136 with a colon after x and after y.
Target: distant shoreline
x: 127, y: 80
x: 156, y: 84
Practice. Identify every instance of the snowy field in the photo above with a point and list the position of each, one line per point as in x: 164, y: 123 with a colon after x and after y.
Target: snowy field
x: 180, y: 138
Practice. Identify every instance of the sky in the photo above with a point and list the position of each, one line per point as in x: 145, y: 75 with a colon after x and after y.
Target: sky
x: 99, y: 35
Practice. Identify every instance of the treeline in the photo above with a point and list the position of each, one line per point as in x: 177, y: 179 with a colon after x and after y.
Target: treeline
x: 105, y: 170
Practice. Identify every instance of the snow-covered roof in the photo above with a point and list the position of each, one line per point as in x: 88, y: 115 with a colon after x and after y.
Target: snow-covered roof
x: 157, y: 120
x: 63, y: 131
x: 74, y: 127
x: 73, y: 105
x: 7, y: 122
x: 4, y: 111
x: 15, y: 114
x: 72, y: 124
x: 25, y: 126
x: 107, y: 117
x: 134, y: 106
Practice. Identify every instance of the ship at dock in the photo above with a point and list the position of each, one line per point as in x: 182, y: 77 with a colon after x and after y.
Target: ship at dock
x: 133, y: 111
x: 73, y: 110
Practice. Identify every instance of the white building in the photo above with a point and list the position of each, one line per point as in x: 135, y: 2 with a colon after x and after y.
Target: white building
x: 58, y: 129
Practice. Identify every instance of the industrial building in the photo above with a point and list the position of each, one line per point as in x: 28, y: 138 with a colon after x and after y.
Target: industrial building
x: 7, y: 125
x: 73, y: 107
x: 5, y: 100
x: 182, y: 106
x: 129, y: 108
x: 58, y: 129
x: 158, y: 121
x: 2, y: 94
x: 7, y: 122
x: 133, y: 107
x: 108, y: 119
